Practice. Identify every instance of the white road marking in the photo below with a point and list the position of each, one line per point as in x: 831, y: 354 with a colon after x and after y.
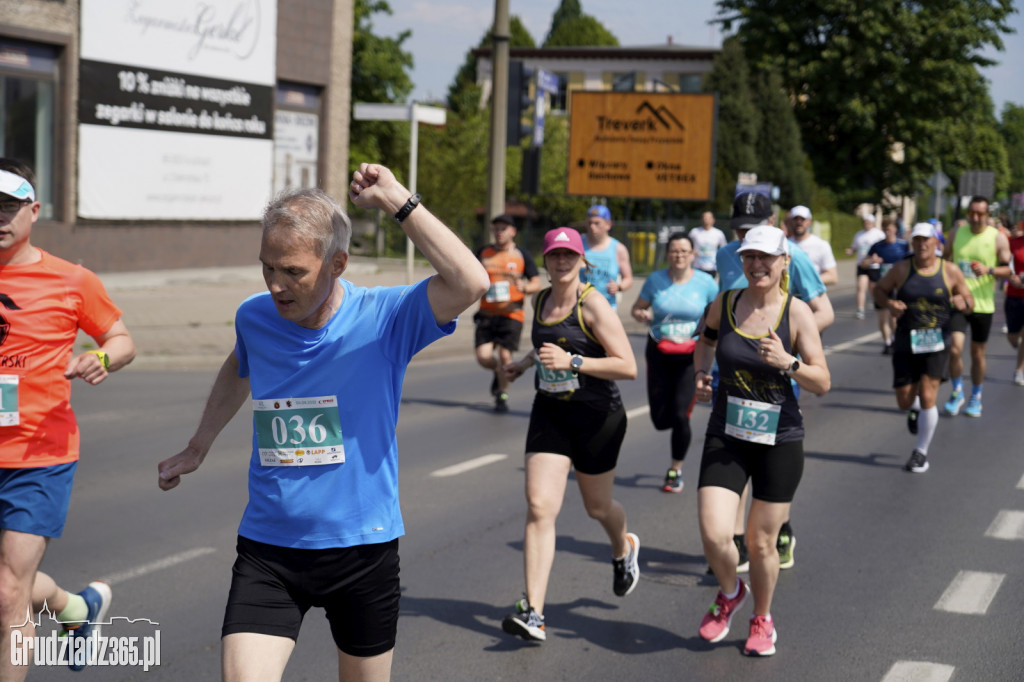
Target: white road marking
x: 158, y: 565
x: 840, y: 347
x: 918, y: 671
x: 1020, y: 483
x: 1008, y: 525
x: 637, y: 411
x: 468, y: 465
x: 970, y: 592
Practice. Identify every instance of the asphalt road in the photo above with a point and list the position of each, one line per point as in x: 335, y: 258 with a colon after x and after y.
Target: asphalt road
x: 889, y: 565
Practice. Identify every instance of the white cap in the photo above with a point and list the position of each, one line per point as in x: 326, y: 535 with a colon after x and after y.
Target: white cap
x: 800, y: 212
x: 926, y: 230
x: 16, y: 186
x: 868, y: 218
x: 766, y: 239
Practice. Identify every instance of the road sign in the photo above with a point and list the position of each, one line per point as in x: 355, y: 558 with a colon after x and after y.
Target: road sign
x: 977, y: 183
x: 642, y: 144
x: 939, y: 181
x: 547, y: 82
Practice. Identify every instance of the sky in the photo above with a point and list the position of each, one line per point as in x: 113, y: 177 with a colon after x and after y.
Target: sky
x: 443, y: 31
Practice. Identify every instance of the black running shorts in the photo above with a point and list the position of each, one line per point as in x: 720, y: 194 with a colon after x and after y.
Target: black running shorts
x: 908, y: 368
x: 774, y: 470
x: 497, y: 329
x: 980, y: 324
x: 272, y: 588
x: 590, y: 438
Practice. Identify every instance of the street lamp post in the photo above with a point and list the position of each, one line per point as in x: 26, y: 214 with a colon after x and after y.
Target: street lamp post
x: 415, y: 114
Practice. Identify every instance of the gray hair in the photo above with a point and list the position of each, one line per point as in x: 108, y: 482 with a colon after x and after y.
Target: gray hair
x: 313, y: 214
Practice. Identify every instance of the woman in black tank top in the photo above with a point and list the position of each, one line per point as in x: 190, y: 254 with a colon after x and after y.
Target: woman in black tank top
x: 756, y: 430
x: 579, y: 349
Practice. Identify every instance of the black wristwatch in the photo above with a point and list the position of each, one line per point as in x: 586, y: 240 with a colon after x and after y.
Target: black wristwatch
x: 792, y: 368
x: 404, y: 212
x: 576, y: 362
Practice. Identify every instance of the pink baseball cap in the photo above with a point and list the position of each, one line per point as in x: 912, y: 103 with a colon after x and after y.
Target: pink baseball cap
x: 563, y: 238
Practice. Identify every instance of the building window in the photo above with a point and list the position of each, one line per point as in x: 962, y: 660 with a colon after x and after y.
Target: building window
x: 28, y: 87
x: 690, y: 82
x: 296, y: 137
x: 560, y: 101
x: 624, y: 82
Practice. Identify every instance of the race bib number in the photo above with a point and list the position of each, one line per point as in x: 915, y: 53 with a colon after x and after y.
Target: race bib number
x: 965, y: 267
x: 556, y: 380
x: 9, y: 415
x: 926, y: 341
x: 298, y: 432
x: 499, y: 292
x: 676, y: 331
x: 751, y: 420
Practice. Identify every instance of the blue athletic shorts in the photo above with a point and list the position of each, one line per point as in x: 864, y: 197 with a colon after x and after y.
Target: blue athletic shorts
x: 35, y: 499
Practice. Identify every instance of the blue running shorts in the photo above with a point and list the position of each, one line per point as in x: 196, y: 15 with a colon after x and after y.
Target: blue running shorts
x: 35, y: 499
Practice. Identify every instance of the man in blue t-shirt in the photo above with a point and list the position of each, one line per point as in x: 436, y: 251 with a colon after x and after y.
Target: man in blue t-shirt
x: 324, y: 362
x: 886, y: 254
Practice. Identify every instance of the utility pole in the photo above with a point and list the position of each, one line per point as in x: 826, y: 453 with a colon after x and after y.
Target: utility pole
x: 499, y: 113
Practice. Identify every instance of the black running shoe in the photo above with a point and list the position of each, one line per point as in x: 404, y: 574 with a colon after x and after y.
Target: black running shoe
x: 525, y: 623
x: 627, y: 569
x: 501, y: 402
x: 912, y: 421
x: 918, y: 463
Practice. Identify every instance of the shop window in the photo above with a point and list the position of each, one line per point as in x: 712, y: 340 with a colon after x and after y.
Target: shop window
x: 296, y: 137
x: 28, y: 86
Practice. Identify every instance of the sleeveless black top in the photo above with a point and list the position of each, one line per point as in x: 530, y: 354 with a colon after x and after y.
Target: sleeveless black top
x: 742, y: 374
x: 571, y: 334
x: 927, y: 298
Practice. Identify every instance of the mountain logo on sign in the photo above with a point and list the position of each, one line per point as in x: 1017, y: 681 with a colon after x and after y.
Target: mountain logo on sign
x: 663, y: 115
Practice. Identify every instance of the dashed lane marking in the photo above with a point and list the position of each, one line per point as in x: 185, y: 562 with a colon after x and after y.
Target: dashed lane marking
x: 918, y: 671
x: 1020, y: 483
x: 971, y: 592
x: 158, y: 565
x: 1008, y: 525
x: 468, y: 465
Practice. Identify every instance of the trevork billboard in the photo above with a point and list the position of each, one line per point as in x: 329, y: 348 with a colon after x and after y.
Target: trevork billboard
x: 642, y: 145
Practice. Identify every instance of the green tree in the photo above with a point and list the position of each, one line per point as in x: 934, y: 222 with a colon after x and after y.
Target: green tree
x: 738, y: 121
x: 379, y: 75
x: 781, y: 159
x: 583, y: 31
x: 464, y: 92
x: 1011, y: 129
x: 567, y: 10
x: 869, y: 76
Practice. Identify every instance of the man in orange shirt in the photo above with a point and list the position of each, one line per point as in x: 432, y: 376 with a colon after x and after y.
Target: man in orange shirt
x: 44, y: 301
x: 499, y: 322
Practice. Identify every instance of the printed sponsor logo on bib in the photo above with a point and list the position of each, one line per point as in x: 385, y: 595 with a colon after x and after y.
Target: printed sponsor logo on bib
x: 499, y: 292
x: 751, y: 420
x: 298, y: 431
x: 9, y: 415
x: 965, y: 267
x: 556, y: 380
x: 926, y: 341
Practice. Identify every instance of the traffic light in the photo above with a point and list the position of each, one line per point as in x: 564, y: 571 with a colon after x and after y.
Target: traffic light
x: 519, y: 122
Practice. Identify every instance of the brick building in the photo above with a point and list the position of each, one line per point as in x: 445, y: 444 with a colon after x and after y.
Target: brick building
x: 158, y: 130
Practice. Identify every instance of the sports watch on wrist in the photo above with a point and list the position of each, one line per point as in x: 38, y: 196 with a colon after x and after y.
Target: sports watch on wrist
x: 576, y: 362
x: 103, y: 357
x: 792, y: 368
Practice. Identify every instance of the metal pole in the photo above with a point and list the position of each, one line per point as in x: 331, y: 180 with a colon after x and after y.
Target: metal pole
x: 499, y: 112
x: 414, y: 144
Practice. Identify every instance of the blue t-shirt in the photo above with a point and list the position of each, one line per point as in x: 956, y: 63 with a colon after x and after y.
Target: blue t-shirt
x: 360, y: 357
x: 604, y: 267
x: 889, y: 253
x: 804, y: 281
x: 676, y: 308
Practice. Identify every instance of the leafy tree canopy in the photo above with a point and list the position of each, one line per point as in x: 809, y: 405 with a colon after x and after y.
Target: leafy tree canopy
x: 583, y: 31
x: 1011, y: 129
x: 867, y: 76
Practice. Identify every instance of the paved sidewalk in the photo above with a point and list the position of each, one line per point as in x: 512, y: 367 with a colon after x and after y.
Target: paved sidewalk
x: 184, y: 319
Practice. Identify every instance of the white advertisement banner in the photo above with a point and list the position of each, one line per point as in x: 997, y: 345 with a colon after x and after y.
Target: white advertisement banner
x: 175, y: 109
x: 229, y: 39
x: 185, y: 176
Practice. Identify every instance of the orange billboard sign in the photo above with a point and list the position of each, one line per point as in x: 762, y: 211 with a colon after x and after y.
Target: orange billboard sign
x: 642, y: 144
